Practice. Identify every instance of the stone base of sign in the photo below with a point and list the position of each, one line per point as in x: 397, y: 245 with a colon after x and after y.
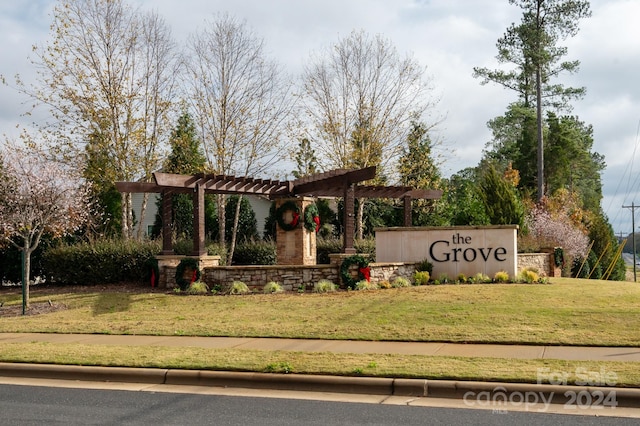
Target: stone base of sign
x: 542, y: 263
x: 167, y: 265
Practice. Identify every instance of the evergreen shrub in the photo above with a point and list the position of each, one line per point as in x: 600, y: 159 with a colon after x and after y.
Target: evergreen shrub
x: 100, y: 262
x: 327, y: 246
x: 255, y: 252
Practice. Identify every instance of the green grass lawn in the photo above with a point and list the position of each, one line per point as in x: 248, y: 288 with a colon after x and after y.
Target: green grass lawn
x: 565, y: 312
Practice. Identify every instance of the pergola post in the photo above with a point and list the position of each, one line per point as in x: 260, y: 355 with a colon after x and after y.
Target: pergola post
x: 167, y: 247
x: 198, y: 221
x: 407, y: 210
x: 349, y: 220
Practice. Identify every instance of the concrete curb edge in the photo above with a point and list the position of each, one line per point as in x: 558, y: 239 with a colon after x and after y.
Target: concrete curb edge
x: 458, y: 389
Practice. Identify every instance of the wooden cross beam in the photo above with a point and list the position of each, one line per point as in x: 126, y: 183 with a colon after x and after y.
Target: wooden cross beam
x: 334, y: 183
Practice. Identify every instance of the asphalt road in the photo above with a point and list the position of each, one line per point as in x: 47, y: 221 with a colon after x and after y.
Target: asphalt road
x: 39, y: 405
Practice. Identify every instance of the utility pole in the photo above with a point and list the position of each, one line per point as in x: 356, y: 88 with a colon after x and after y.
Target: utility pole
x: 633, y: 236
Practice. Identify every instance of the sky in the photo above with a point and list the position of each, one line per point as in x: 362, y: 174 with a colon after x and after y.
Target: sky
x: 448, y: 37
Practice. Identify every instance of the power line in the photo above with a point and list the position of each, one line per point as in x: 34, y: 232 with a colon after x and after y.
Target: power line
x: 633, y: 236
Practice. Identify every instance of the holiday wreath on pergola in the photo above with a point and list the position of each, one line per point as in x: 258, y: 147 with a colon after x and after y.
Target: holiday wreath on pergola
x: 334, y: 183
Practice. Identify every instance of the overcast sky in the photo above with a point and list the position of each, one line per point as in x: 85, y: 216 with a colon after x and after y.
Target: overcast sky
x: 449, y: 37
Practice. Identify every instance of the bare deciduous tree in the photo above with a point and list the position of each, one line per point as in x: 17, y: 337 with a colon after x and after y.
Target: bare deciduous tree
x: 361, y: 97
x: 241, y: 102
x: 106, y: 75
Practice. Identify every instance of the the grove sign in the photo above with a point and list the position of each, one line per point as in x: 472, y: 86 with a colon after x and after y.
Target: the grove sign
x: 452, y: 250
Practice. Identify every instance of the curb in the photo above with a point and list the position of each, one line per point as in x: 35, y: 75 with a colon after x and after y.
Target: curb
x: 481, y: 393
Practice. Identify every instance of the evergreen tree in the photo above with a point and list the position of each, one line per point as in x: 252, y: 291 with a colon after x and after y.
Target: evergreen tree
x: 532, y: 46
x: 186, y: 157
x: 605, y: 246
x: 105, y: 197
x: 569, y: 162
x: 464, y: 205
x: 247, y: 223
x: 306, y: 160
x: 501, y: 202
x: 514, y: 142
x: 418, y: 169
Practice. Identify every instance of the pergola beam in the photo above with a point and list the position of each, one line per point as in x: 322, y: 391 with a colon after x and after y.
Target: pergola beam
x: 336, y: 179
x: 334, y: 183
x: 224, y: 184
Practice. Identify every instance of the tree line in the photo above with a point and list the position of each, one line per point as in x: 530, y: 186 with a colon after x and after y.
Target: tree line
x: 124, y: 100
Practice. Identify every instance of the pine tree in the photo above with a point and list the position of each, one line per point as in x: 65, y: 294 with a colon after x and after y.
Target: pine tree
x: 306, y: 160
x: 186, y: 157
x: 532, y: 46
x: 418, y: 169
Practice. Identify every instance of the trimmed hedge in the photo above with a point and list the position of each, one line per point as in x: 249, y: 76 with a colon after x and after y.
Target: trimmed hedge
x: 255, y: 253
x: 327, y: 246
x: 101, y: 262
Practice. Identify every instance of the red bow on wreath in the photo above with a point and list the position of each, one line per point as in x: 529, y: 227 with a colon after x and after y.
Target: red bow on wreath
x: 366, y: 273
x: 316, y: 219
x: 294, y: 220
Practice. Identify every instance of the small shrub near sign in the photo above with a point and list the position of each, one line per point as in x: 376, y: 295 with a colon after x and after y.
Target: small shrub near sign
x: 421, y: 277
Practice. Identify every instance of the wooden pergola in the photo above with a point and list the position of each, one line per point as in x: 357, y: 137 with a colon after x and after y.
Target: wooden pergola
x: 334, y: 183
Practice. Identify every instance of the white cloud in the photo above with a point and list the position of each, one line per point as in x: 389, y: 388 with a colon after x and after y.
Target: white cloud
x: 449, y: 37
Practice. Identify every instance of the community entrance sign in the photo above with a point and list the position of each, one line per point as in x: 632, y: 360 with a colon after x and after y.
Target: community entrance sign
x: 452, y: 250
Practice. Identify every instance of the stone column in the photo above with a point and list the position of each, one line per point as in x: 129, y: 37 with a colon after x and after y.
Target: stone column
x: 167, y: 265
x: 296, y: 246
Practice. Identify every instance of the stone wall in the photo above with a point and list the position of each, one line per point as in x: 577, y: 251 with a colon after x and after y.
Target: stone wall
x: 543, y: 263
x: 294, y: 277
x: 291, y: 277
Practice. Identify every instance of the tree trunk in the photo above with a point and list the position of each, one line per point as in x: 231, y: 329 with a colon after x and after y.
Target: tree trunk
x: 234, y: 231
x: 27, y: 274
x: 222, y: 217
x: 125, y: 215
x: 143, y: 213
x: 360, y: 219
x: 540, y: 137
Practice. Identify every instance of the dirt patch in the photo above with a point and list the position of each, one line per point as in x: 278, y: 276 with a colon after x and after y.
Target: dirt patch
x: 52, y: 306
x: 44, y: 289
x: 33, y: 309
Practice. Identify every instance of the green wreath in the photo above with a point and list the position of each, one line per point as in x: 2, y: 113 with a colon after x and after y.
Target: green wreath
x: 312, y: 218
x: 558, y: 257
x: 364, y: 272
x: 295, y: 213
x: 184, y: 265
